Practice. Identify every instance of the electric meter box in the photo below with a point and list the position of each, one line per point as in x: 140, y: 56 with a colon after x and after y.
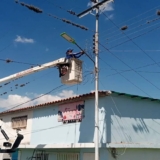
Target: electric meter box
x: 74, y: 73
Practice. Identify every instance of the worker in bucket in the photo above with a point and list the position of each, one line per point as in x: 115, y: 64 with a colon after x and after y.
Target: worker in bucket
x: 70, y: 54
x: 63, y: 69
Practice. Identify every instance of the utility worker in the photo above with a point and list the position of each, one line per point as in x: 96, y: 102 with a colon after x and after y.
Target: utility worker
x: 63, y: 69
x: 70, y: 54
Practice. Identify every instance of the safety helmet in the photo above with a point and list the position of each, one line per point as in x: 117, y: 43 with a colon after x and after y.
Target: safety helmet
x: 69, y: 49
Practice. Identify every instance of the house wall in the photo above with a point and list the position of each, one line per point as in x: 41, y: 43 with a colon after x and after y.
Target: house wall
x: 46, y: 125
x: 25, y: 132
x: 105, y: 154
x: 121, y: 118
x: 132, y: 154
x: 123, y: 121
x: 132, y: 120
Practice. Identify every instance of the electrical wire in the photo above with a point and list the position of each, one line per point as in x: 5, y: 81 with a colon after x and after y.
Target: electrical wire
x: 12, y: 61
x: 62, y: 8
x: 131, y: 68
x: 130, y: 29
x: 38, y: 10
x: 134, y: 17
x: 132, y: 33
x: 135, y: 37
x: 32, y: 99
x: 126, y: 78
x: 39, y: 96
x: 133, y: 41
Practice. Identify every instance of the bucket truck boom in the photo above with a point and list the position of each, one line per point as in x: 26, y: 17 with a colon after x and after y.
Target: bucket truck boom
x: 10, y: 140
x: 15, y: 76
x: 70, y: 71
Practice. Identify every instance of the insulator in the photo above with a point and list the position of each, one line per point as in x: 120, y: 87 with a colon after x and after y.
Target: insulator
x: 124, y: 28
x: 158, y: 12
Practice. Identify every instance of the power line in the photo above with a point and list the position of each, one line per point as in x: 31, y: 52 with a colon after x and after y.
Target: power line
x: 128, y: 28
x: 118, y: 38
x: 126, y: 78
x: 135, y: 37
x: 132, y: 41
x: 12, y: 61
x: 62, y: 8
x: 32, y: 99
x: 43, y: 95
x: 38, y: 10
x: 134, y: 69
x: 135, y: 17
x: 147, y: 50
x: 130, y: 67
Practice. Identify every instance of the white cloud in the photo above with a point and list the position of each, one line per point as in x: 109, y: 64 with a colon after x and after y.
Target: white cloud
x: 109, y: 17
x: 105, y: 7
x: 67, y: 93
x: 15, y: 100
x: 20, y: 39
x: 45, y: 99
x: 49, y: 98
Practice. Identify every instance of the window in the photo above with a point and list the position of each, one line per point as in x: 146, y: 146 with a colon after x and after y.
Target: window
x: 42, y: 156
x: 19, y: 122
x: 67, y: 156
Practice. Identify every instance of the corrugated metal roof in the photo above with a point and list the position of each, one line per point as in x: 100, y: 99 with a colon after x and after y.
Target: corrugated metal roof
x: 79, y: 97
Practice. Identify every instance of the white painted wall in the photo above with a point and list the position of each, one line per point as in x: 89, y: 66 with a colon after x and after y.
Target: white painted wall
x: 25, y: 132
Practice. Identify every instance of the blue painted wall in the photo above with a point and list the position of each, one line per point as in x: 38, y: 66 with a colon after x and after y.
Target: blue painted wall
x: 122, y: 119
x: 15, y: 155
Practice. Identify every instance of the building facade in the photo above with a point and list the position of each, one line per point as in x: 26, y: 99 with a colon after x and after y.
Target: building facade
x: 129, y: 128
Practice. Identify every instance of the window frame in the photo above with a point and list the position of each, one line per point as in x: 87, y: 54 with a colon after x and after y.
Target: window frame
x: 19, y: 122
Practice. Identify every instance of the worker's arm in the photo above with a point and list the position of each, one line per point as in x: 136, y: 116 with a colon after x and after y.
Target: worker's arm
x: 79, y: 54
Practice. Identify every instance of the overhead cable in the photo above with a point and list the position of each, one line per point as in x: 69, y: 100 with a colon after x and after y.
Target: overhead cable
x: 38, y: 10
x: 122, y: 23
x: 132, y: 40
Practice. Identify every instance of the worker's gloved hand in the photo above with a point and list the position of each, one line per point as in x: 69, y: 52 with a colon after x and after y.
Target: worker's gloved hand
x: 82, y: 52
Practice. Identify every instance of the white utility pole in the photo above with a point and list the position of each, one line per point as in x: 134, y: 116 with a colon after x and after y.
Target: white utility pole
x: 96, y: 7
x: 96, y: 88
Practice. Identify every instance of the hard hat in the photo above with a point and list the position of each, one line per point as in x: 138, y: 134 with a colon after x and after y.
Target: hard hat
x: 69, y: 49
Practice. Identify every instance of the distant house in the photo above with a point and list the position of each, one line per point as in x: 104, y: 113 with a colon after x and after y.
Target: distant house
x: 129, y: 128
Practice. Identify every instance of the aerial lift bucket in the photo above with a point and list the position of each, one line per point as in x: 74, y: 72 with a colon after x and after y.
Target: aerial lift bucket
x: 74, y: 73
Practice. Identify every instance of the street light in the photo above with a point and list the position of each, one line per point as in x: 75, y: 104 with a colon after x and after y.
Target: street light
x: 71, y: 40
x: 68, y: 38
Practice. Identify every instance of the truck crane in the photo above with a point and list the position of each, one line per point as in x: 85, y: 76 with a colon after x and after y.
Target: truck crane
x: 70, y: 71
x: 10, y: 141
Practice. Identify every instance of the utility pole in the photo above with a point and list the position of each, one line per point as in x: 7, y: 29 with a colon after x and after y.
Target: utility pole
x: 96, y: 7
x: 96, y: 87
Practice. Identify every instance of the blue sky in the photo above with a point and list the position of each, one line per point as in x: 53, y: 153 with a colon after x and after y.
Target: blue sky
x: 131, y: 65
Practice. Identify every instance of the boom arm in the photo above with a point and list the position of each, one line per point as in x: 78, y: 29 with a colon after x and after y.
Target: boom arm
x: 11, y: 139
x: 34, y: 69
